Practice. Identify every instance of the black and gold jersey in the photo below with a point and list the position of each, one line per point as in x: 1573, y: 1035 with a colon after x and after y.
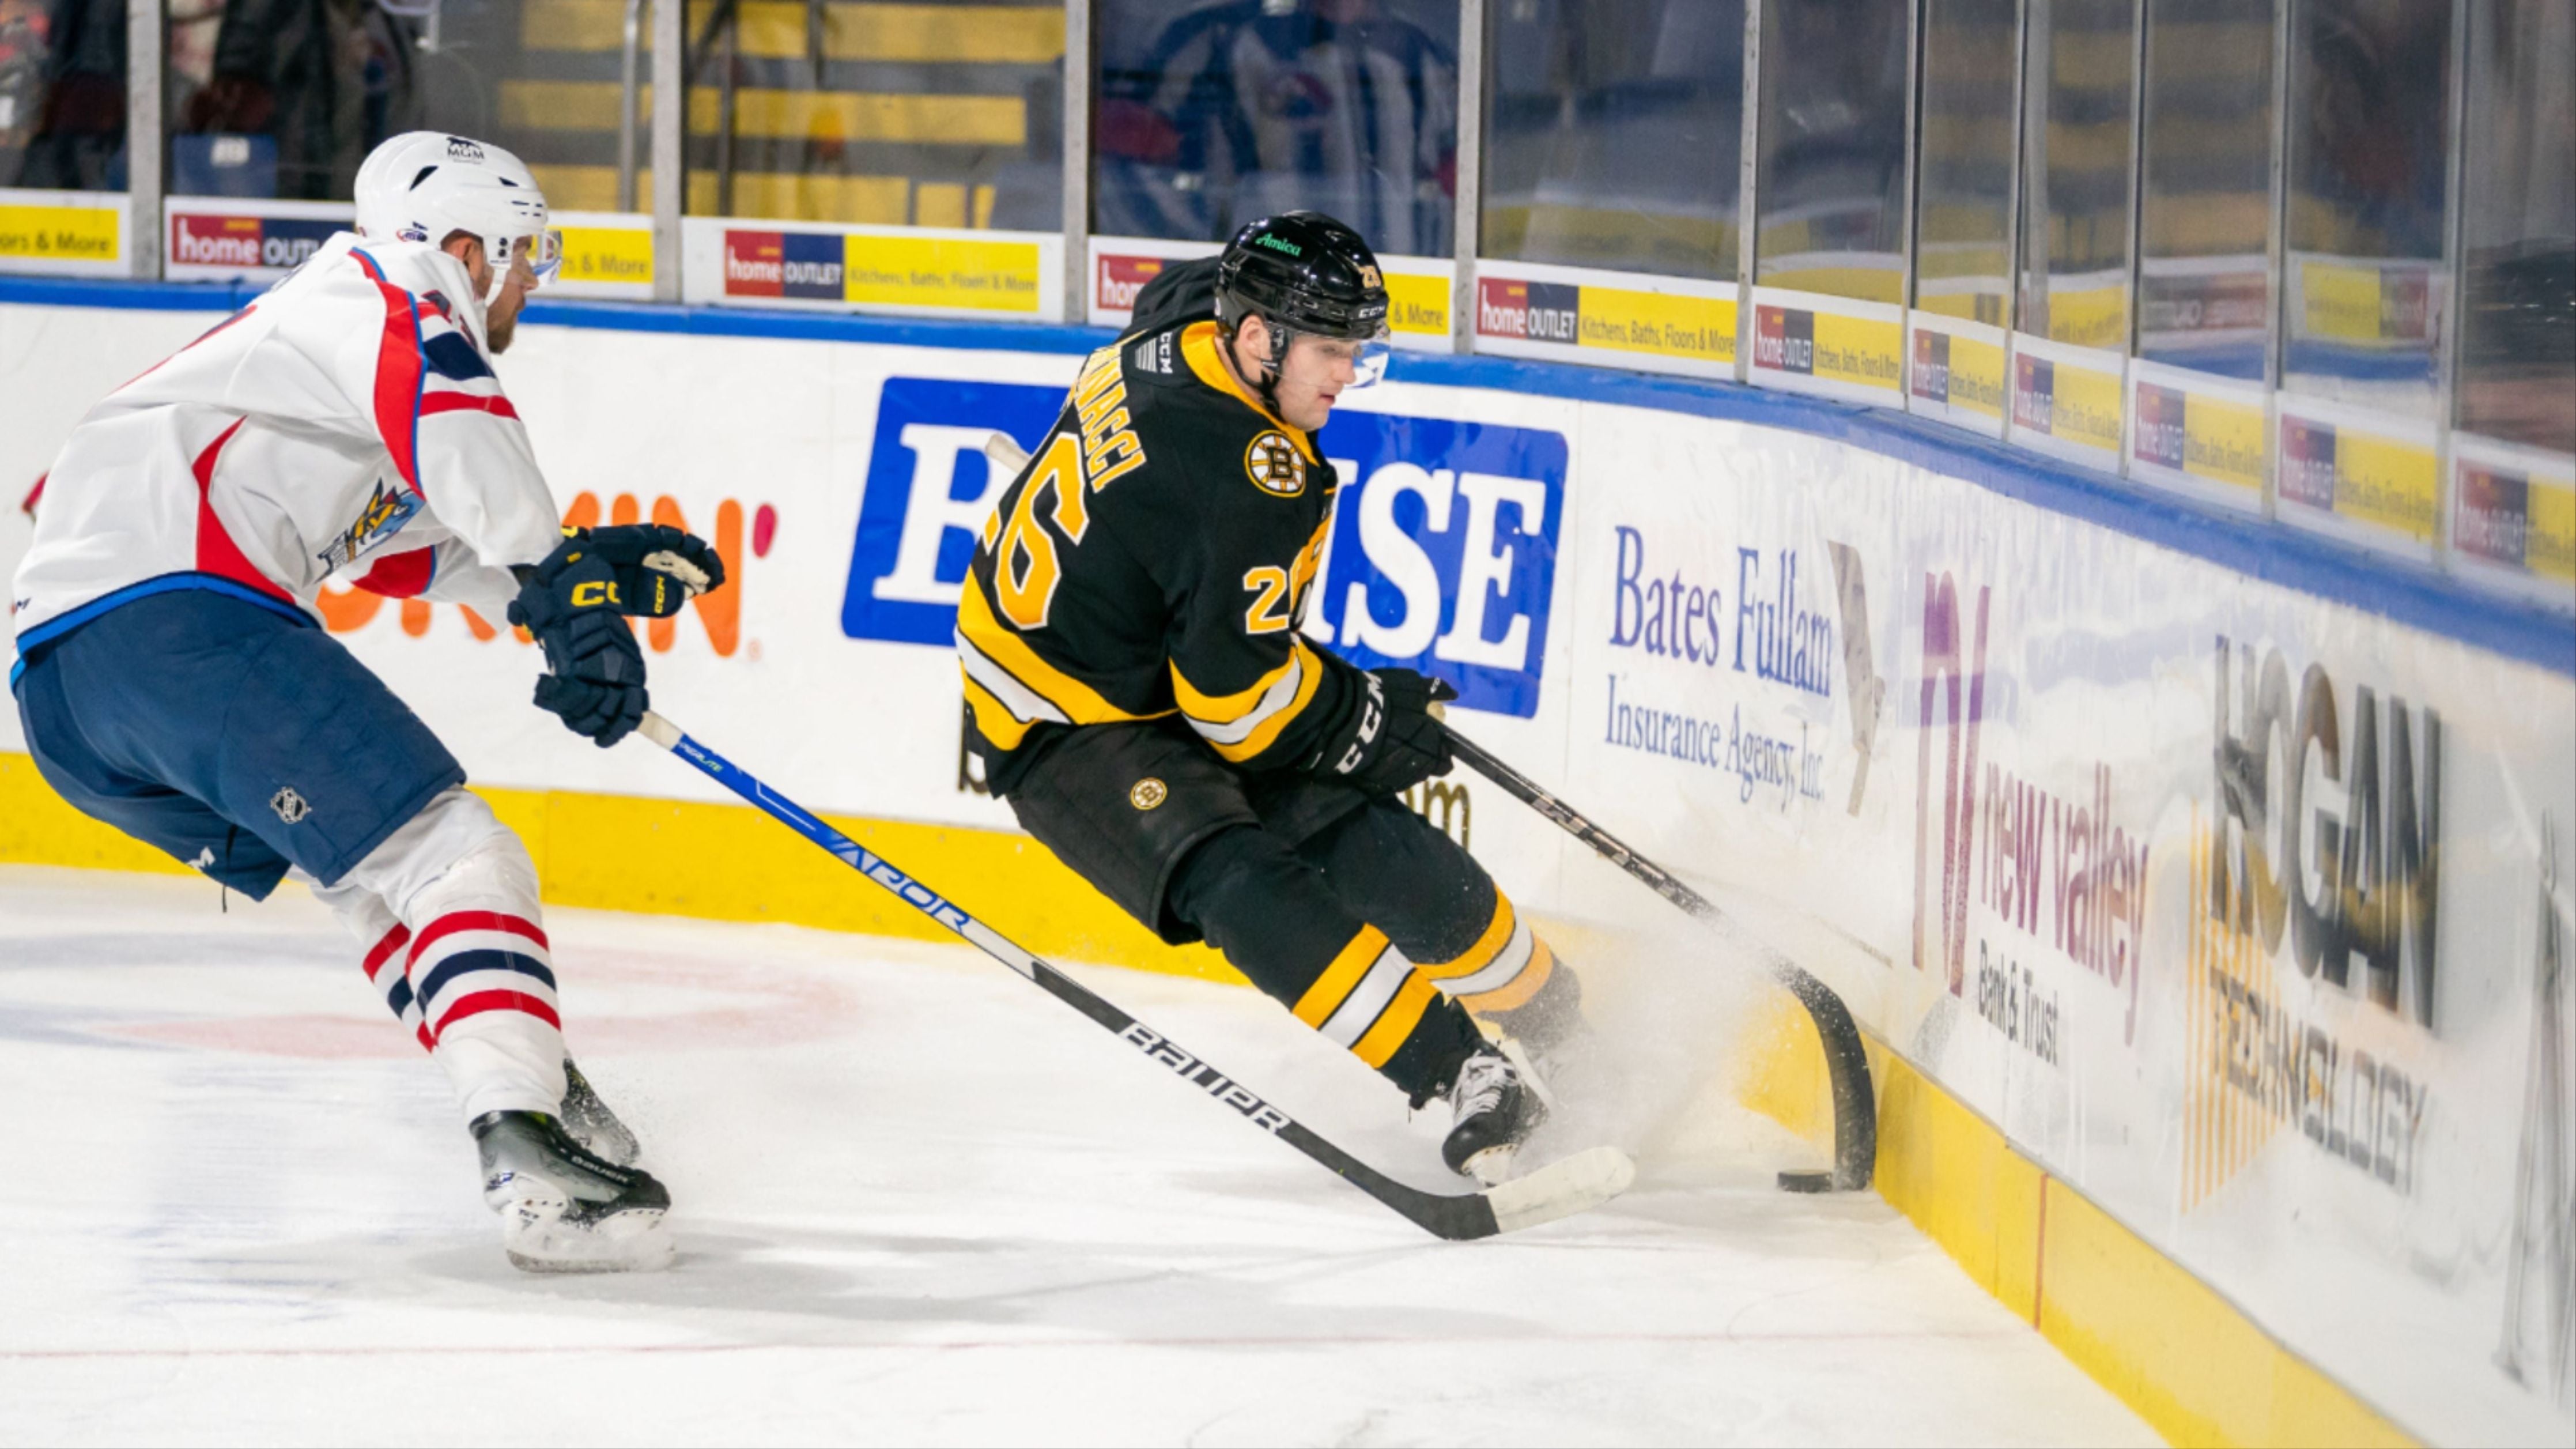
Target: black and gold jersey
x: 1151, y: 561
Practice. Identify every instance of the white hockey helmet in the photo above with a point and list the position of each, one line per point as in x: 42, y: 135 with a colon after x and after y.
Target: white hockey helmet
x: 428, y: 185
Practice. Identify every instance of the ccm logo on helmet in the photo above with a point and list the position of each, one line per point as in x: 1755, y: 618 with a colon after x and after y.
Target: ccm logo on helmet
x: 1442, y: 555
x: 460, y: 149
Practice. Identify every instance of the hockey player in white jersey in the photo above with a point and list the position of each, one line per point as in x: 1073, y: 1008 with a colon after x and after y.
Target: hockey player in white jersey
x: 174, y: 681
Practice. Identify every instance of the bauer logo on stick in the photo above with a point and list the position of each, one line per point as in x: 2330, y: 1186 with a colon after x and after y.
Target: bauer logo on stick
x: 1275, y: 464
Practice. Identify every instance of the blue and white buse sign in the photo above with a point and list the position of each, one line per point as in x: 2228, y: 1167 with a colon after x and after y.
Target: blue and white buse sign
x: 1443, y: 555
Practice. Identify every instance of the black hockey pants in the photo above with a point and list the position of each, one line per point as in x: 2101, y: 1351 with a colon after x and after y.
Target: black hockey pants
x: 1358, y: 915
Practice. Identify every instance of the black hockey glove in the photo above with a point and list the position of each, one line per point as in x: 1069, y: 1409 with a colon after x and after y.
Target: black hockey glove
x: 658, y: 567
x: 570, y: 602
x: 1388, y: 739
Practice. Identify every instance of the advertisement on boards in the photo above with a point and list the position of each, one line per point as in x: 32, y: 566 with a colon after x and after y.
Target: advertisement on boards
x: 921, y: 271
x: 1442, y: 558
x: 2241, y: 909
x: 1851, y: 351
x: 2372, y: 477
x: 1417, y: 287
x: 1608, y: 319
x: 64, y: 233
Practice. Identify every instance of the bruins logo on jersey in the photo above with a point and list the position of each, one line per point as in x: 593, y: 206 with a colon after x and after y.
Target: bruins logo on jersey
x: 1275, y: 464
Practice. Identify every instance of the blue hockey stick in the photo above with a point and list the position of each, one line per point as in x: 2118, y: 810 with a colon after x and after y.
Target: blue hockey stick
x: 1583, y: 1181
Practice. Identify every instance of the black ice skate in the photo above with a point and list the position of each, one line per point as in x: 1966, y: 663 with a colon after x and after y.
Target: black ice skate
x: 563, y: 1209
x: 1495, y: 1112
x: 592, y: 1125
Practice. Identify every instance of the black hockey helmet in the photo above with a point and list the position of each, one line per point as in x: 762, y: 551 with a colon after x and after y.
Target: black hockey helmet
x: 1301, y: 271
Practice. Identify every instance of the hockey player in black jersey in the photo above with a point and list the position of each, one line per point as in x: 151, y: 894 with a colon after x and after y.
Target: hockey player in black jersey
x: 1141, y: 695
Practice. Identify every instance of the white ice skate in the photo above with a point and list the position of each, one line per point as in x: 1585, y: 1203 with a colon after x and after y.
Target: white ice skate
x: 564, y: 1209
x: 1495, y: 1112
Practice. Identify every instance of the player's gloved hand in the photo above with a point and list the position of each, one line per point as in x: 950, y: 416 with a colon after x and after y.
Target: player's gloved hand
x: 1390, y: 737
x: 569, y: 602
x: 658, y: 568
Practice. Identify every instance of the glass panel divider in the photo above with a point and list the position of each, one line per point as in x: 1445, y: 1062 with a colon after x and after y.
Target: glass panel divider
x: 144, y: 146
x: 2137, y: 225
x: 1748, y: 186
x: 1467, y: 198
x: 1078, y: 68
x: 670, y: 173
x: 2275, y: 254
x: 2446, y: 376
x: 2016, y: 235
x: 1913, y: 154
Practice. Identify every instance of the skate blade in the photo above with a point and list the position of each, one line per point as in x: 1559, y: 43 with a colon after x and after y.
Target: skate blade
x: 1493, y: 1166
x: 537, y: 1240
x: 1561, y: 1189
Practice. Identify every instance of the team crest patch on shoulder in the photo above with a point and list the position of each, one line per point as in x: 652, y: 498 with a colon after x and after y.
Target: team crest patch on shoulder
x: 290, y: 807
x: 1148, y: 793
x: 1275, y: 463
x: 383, y: 517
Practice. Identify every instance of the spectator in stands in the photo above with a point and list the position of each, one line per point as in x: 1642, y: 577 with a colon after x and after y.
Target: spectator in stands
x: 62, y: 94
x: 324, y: 80
x: 1249, y: 107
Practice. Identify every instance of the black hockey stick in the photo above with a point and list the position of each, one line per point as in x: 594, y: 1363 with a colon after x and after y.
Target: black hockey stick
x: 1855, y: 1108
x: 1560, y: 1189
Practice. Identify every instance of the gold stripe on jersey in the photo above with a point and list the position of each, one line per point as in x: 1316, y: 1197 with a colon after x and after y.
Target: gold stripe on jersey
x: 1333, y: 987
x: 1397, y: 1022
x: 1497, y: 934
x: 1504, y: 968
x: 1519, y: 990
x: 1081, y: 704
x: 1368, y: 1000
x: 1243, y: 724
x: 993, y: 719
x: 1199, y: 343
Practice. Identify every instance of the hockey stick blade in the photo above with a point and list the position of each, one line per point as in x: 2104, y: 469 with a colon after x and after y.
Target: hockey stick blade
x: 1561, y: 1189
x: 1585, y: 1180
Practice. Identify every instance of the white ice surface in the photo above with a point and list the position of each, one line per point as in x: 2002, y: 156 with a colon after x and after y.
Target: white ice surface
x: 917, y: 1201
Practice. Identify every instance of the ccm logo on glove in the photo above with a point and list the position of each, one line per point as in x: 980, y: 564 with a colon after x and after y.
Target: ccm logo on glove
x: 1391, y: 738
x: 576, y: 602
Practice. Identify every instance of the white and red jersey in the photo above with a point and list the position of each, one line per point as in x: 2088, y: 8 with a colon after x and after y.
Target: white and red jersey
x: 347, y: 423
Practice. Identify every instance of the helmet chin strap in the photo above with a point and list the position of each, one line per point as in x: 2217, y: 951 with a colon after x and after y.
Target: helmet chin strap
x: 1265, y: 380
x: 500, y: 278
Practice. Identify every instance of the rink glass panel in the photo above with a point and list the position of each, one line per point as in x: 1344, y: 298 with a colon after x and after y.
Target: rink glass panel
x: 2368, y: 216
x: 1612, y: 134
x: 1963, y: 206
x: 1830, y: 181
x: 2205, y: 229
x: 941, y: 115
x: 282, y: 101
x: 62, y: 95
x: 2518, y: 317
x: 2077, y: 177
x: 1208, y: 115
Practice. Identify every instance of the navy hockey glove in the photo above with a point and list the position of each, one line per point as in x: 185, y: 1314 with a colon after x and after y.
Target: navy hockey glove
x: 570, y: 603
x: 658, y: 567
x: 1389, y: 738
